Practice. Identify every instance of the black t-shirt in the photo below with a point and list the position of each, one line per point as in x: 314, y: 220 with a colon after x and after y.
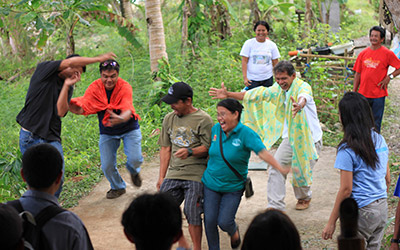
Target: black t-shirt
x: 39, y: 114
x: 119, y: 129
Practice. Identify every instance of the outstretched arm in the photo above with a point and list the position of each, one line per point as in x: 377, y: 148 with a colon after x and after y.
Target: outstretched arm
x: 80, y: 61
x: 223, y: 93
x: 268, y: 158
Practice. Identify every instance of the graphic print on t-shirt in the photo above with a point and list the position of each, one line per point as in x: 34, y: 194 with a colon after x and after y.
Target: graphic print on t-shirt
x: 261, y: 57
x: 371, y: 63
x: 182, y: 136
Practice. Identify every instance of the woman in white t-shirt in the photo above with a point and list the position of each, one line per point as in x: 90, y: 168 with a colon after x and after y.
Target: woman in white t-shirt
x: 259, y: 56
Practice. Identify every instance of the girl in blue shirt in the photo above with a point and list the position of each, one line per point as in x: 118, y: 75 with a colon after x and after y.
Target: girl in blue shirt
x: 222, y: 188
x: 362, y: 158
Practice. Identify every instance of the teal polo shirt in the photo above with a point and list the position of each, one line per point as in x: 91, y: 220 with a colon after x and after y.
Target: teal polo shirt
x: 237, y: 149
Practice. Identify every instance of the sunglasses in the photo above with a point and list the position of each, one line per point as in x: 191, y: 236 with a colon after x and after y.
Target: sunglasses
x: 113, y: 64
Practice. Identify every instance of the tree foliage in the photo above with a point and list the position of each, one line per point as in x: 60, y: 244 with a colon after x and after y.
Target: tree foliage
x: 43, y: 18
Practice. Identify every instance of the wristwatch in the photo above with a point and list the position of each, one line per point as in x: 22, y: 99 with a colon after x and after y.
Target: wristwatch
x: 395, y: 241
x: 391, y: 76
x: 190, y: 151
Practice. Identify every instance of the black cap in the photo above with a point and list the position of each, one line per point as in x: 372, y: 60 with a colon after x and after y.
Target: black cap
x: 178, y: 91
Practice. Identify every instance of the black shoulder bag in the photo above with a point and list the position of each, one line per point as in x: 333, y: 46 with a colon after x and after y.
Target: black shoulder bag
x: 248, y: 187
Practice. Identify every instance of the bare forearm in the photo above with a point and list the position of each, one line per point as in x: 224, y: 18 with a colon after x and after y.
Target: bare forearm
x: 275, y: 62
x: 268, y: 158
x: 236, y: 95
x: 341, y: 195
x: 62, y: 101
x: 356, y: 82
x: 79, y: 61
x: 245, y: 60
x: 165, y: 156
x: 200, y: 152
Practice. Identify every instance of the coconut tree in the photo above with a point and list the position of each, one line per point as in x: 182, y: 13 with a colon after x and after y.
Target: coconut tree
x: 155, y: 27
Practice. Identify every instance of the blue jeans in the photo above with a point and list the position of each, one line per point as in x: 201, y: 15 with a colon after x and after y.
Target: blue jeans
x: 27, y: 139
x: 109, y: 144
x: 220, y: 209
x: 377, y: 107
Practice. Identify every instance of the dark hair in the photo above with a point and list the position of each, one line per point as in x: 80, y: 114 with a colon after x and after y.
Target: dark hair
x: 271, y: 229
x: 109, y: 65
x: 75, y: 55
x: 153, y: 214
x: 231, y: 105
x: 284, y: 67
x: 41, y: 165
x: 263, y: 23
x: 377, y: 28
x: 10, y: 228
x: 357, y: 121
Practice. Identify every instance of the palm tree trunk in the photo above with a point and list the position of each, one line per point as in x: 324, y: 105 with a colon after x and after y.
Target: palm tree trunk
x: 155, y: 27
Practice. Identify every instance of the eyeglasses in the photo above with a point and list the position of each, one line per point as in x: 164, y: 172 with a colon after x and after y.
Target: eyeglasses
x: 113, y: 64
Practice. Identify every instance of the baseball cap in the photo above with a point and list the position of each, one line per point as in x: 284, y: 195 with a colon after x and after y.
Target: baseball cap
x: 178, y: 91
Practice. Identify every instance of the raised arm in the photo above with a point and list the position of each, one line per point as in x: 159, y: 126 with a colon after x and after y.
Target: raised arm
x: 80, y: 61
x: 62, y: 101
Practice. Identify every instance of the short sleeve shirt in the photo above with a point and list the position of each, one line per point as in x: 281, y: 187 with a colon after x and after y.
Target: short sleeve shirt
x: 260, y: 56
x: 39, y: 114
x: 368, y: 184
x: 189, y: 131
x: 372, y: 65
x: 65, y: 231
x: 237, y: 148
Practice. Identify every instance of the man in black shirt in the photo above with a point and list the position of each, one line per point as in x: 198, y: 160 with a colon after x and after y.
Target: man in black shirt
x: 110, y: 97
x: 49, y: 92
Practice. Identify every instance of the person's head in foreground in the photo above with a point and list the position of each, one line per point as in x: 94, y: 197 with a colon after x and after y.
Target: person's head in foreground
x: 42, y: 167
x: 271, y: 229
x: 153, y: 221
x: 10, y: 229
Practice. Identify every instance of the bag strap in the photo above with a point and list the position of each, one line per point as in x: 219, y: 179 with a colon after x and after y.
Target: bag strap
x: 46, y: 214
x: 223, y: 157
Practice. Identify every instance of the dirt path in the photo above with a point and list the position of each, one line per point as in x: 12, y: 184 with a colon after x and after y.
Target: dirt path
x: 102, y: 216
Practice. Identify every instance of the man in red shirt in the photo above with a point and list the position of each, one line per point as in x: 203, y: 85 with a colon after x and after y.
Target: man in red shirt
x: 371, y: 79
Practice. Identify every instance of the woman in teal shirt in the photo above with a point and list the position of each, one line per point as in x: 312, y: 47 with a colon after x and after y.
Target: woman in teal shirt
x: 222, y: 188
